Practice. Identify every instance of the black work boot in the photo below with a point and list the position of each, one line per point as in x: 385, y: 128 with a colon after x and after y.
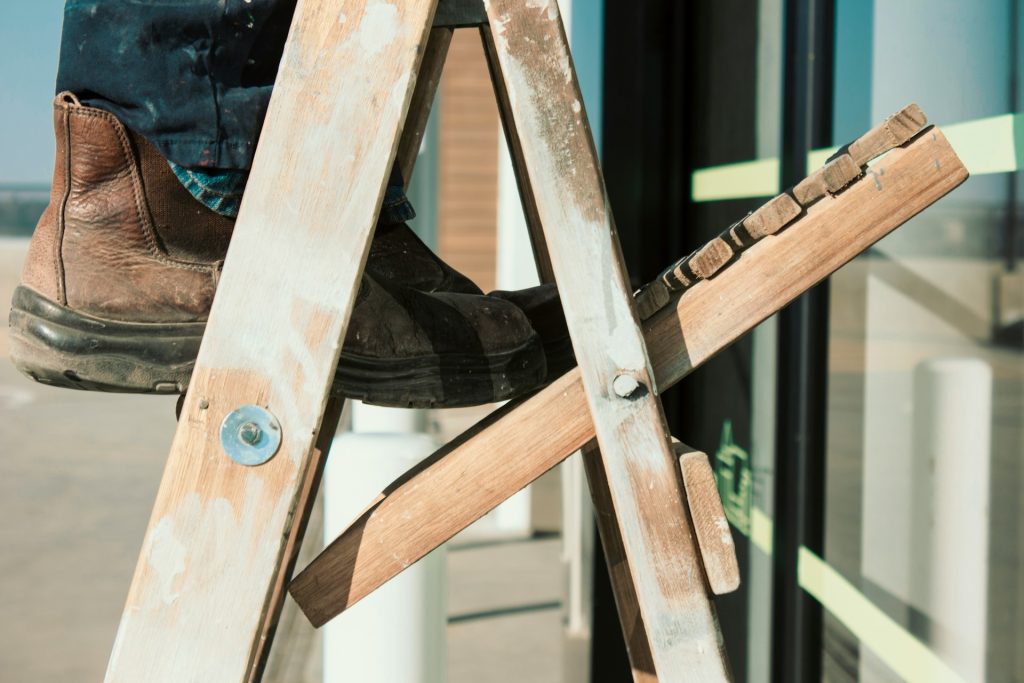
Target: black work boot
x: 124, y: 263
x: 543, y: 308
x: 398, y: 255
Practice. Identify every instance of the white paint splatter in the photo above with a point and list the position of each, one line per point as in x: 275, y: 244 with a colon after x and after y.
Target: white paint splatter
x: 576, y: 106
x: 342, y: 18
x: 551, y: 6
x: 623, y: 347
x: 378, y: 28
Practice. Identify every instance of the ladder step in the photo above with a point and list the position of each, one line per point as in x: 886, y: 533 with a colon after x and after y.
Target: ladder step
x: 844, y: 168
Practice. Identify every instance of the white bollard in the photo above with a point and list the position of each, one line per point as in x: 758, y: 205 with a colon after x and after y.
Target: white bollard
x: 949, y: 506
x: 397, y: 634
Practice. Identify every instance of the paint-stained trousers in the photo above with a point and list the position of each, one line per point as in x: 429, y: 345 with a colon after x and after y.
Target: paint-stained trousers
x: 194, y: 77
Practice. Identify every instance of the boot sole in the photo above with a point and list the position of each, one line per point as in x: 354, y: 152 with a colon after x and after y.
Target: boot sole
x: 57, y: 346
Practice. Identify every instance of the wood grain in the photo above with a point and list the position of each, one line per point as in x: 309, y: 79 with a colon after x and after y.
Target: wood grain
x: 540, y: 250
x: 717, y: 549
x: 768, y: 220
x: 642, y: 474
x: 204, y: 596
x: 633, y: 630
x: 505, y: 452
x: 889, y: 134
x: 423, y: 97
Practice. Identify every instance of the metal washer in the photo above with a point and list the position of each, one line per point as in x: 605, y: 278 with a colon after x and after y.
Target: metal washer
x: 262, y: 448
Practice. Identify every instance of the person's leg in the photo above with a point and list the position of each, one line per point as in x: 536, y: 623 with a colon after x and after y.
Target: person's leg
x: 124, y: 263
x: 193, y: 77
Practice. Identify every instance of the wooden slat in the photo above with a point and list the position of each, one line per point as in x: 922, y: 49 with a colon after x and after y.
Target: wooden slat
x: 540, y: 249
x: 717, y: 549
x: 891, y: 133
x: 222, y: 535
x: 423, y: 99
x: 640, y: 466
x: 634, y: 632
x: 767, y: 220
x: 505, y: 452
x: 295, y: 535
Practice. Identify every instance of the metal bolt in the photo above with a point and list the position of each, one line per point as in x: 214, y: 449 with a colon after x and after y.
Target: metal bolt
x: 250, y: 433
x: 203, y: 404
x: 625, y: 386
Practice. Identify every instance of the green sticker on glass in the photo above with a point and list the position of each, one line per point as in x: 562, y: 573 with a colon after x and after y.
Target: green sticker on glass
x: 732, y: 471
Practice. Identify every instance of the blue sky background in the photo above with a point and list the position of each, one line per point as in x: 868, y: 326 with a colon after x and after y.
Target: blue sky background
x: 29, y: 43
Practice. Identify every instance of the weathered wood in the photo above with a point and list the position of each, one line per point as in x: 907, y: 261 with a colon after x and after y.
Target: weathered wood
x: 767, y: 220
x: 633, y: 631
x: 642, y: 473
x: 295, y: 536
x: 837, y: 174
x: 295, y: 655
x: 508, y: 124
x: 680, y: 276
x: 840, y: 172
x: 651, y: 298
x: 505, y: 452
x: 423, y: 97
x: 222, y: 535
x: 829, y: 179
x: 711, y: 258
x: 891, y: 133
x: 717, y: 549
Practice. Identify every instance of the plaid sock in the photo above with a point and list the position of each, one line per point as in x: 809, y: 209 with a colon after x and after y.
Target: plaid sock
x: 221, y: 191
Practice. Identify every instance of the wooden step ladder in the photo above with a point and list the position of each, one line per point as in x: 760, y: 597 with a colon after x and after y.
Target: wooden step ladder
x: 353, y: 93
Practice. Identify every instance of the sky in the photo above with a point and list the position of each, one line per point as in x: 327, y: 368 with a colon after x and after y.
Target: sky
x: 29, y: 45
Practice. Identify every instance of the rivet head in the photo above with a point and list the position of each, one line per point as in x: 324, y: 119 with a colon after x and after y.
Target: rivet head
x: 250, y: 435
x: 625, y: 386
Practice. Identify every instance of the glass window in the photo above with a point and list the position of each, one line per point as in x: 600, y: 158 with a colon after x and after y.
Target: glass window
x: 926, y: 372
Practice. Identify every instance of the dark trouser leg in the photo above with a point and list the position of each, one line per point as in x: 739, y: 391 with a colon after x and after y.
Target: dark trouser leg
x: 193, y: 77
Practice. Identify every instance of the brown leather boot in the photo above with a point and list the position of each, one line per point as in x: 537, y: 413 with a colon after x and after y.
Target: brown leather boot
x: 124, y: 264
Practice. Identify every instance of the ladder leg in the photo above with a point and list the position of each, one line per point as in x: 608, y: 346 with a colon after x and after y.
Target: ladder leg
x: 423, y: 99
x: 515, y: 148
x: 303, y: 508
x: 639, y: 462
x: 633, y: 631
x: 630, y: 618
x: 222, y: 535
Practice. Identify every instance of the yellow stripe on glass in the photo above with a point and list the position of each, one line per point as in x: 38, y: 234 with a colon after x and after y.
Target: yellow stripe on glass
x: 911, y: 659
x: 991, y: 145
x: 733, y: 181
x: 907, y: 656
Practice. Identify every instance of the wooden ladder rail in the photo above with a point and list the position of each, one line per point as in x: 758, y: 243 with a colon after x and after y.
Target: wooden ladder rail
x: 217, y: 551
x: 628, y: 607
x: 636, y: 453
